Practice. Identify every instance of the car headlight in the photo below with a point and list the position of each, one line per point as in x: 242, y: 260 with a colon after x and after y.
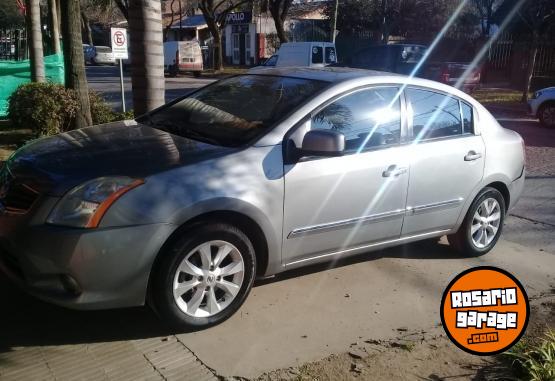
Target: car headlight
x: 537, y: 94
x: 85, y: 205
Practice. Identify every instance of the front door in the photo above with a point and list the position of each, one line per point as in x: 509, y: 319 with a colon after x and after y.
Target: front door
x: 336, y: 203
x: 236, y: 48
x: 446, y: 161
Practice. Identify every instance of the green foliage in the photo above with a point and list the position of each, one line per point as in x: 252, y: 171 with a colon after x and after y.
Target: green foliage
x: 10, y: 16
x: 45, y: 108
x: 535, y: 361
x: 48, y: 108
x: 101, y: 112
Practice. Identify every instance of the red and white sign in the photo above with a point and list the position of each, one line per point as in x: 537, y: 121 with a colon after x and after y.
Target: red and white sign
x: 119, y: 43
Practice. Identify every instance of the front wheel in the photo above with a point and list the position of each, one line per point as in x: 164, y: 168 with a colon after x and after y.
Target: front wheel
x: 204, y: 277
x: 482, y: 225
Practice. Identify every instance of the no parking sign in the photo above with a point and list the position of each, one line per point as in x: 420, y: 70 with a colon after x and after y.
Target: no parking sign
x: 119, y: 43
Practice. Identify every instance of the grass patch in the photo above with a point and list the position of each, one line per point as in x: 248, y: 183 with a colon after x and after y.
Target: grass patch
x: 226, y: 72
x: 534, y: 359
x: 497, y: 96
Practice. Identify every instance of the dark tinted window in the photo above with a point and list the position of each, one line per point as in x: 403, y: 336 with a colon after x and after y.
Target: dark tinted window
x: 272, y: 61
x: 317, y: 54
x: 373, y: 58
x: 368, y: 118
x: 234, y: 111
x: 468, y: 119
x: 434, y: 115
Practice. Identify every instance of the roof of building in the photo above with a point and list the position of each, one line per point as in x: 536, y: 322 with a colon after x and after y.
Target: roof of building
x: 190, y: 22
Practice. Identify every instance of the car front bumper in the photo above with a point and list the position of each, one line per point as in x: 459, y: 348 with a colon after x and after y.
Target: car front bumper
x: 81, y: 268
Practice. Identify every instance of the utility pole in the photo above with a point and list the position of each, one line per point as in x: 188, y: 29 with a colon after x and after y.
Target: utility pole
x: 334, y: 26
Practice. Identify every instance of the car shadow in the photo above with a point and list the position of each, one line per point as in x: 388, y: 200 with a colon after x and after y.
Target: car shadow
x: 26, y: 321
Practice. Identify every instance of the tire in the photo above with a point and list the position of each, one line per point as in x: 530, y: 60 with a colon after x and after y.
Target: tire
x: 546, y: 114
x: 471, y: 243
x: 197, y: 308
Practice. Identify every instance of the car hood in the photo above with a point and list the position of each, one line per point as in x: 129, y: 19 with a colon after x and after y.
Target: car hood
x: 55, y: 164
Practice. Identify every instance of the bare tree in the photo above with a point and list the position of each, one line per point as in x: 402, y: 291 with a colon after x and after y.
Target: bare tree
x: 539, y: 17
x: 486, y: 10
x: 147, y: 54
x: 75, y: 76
x: 279, y: 10
x: 36, y: 55
x: 215, y: 14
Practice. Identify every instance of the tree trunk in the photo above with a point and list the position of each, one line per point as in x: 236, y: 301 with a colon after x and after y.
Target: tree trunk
x: 218, y: 62
x: 532, y: 54
x: 279, y: 20
x: 34, y: 33
x: 218, y: 53
x: 74, y: 61
x: 55, y: 26
x: 147, y: 55
x: 87, y: 29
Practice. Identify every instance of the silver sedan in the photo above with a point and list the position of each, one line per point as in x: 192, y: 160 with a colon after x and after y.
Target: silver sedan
x: 252, y: 176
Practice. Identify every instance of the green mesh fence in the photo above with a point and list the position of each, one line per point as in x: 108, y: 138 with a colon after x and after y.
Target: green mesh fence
x: 15, y: 73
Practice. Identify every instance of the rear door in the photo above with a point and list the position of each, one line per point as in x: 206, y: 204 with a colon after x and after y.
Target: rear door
x: 446, y: 160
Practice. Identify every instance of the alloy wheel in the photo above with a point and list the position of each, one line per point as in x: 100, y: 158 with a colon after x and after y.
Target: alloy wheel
x: 208, y: 279
x: 485, y: 223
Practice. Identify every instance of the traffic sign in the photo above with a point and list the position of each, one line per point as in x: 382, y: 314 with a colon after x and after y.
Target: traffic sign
x: 119, y: 43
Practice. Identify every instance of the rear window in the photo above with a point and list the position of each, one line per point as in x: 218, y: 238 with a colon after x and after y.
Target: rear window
x: 317, y: 55
x: 331, y: 57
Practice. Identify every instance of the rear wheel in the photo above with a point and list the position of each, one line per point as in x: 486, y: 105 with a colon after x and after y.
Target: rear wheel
x: 204, y: 277
x: 546, y: 114
x: 482, y: 225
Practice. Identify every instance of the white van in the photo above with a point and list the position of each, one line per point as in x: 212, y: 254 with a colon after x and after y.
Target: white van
x: 312, y: 53
x: 183, y: 56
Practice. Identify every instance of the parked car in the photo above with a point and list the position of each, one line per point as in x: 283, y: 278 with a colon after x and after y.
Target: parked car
x: 183, y: 56
x: 407, y: 59
x: 89, y: 52
x: 251, y: 176
x: 542, y: 106
x: 104, y: 56
x: 311, y: 54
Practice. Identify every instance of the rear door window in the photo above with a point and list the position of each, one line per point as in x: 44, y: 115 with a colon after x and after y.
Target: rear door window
x: 468, y: 118
x: 434, y: 115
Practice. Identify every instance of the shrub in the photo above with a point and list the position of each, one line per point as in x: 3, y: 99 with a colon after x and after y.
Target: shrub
x: 101, y: 112
x: 45, y: 108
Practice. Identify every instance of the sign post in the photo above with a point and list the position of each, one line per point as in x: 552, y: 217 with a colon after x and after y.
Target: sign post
x: 119, y: 50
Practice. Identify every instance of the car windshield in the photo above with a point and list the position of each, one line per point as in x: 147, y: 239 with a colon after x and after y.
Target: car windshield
x: 234, y: 111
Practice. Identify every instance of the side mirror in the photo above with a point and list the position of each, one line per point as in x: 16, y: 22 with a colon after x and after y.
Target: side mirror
x: 323, y: 143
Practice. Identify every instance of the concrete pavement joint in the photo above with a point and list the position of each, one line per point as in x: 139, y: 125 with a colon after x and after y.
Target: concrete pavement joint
x: 153, y: 366
x: 197, y: 358
x: 532, y: 220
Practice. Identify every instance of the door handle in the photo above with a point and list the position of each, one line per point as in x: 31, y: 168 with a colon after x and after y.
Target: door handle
x: 394, y: 170
x: 472, y: 155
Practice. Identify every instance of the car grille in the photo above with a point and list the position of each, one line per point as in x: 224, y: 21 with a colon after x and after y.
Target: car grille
x: 15, y: 197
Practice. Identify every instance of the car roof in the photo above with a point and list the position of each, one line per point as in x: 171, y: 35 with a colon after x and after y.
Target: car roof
x: 331, y: 74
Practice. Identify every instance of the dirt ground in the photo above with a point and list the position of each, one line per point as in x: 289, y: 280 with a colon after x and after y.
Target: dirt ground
x: 419, y: 355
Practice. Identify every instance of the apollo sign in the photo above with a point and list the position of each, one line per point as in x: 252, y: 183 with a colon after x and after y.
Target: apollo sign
x: 238, y: 18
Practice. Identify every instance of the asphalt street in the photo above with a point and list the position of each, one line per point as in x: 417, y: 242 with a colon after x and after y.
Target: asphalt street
x: 288, y: 320
x: 105, y: 80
